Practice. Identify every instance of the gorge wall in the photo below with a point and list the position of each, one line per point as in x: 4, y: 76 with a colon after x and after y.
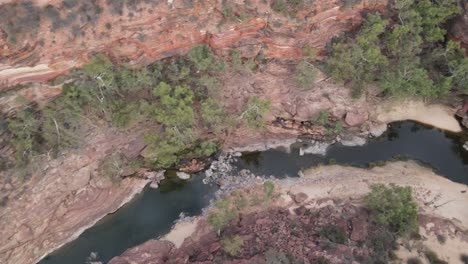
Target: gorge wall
x: 152, y: 31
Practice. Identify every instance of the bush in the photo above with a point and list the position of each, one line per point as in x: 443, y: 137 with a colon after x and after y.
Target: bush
x: 414, y: 260
x: 382, y: 243
x: 322, y: 118
x: 393, y: 57
x: 334, y: 234
x: 232, y: 245
x: 464, y: 258
x: 278, y: 257
x: 112, y: 167
x: 305, y: 75
x: 24, y: 129
x: 350, y: 3
x: 433, y: 258
x: 212, y: 112
x: 287, y: 6
x: 269, y: 188
x: 202, y: 57
x: 222, y: 214
x: 393, y: 207
x: 255, y: 113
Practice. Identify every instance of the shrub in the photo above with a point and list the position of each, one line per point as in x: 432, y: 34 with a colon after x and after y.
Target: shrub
x: 112, y: 167
x: 464, y: 258
x: 278, y: 257
x: 393, y: 58
x: 433, y: 258
x: 269, y: 188
x: 382, y: 243
x: 61, y: 125
x: 175, y: 107
x: 334, y: 234
x: 393, y: 207
x: 213, y: 114
x: 255, y: 112
x: 322, y: 118
x: 305, y: 74
x: 414, y: 260
x: 350, y: 3
x: 202, y: 57
x: 287, y: 6
x: 222, y: 214
x: 24, y: 129
x: 232, y: 245
x: 441, y: 238
x: 322, y: 260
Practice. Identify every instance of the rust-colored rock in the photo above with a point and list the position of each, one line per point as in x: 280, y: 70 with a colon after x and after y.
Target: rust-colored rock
x: 300, y: 197
x: 356, y: 118
x: 62, y: 198
x: 168, y: 29
x: 152, y: 251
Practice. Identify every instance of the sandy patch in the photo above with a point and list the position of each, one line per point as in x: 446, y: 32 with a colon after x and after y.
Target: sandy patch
x: 437, y: 115
x: 181, y: 231
x: 442, y: 203
x: 436, y: 195
x: 449, y: 250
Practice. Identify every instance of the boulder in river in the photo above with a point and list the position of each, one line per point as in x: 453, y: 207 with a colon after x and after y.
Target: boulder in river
x: 315, y: 147
x: 377, y: 130
x: 352, y: 140
x: 183, y: 175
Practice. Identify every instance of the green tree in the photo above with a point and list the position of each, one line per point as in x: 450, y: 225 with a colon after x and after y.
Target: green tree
x: 24, y: 129
x: 361, y: 61
x: 175, y: 106
x: 255, y: 112
x: 457, y: 63
x: 232, y: 245
x: 222, y: 214
x: 393, y: 207
x: 202, y: 57
x: 165, y: 148
x: 214, y: 115
x: 61, y: 125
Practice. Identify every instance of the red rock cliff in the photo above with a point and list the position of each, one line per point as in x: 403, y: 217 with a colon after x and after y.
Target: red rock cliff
x: 152, y: 32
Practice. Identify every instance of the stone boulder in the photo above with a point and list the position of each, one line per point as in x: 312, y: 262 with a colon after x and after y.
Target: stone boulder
x: 152, y: 251
x: 299, y: 197
x: 356, y: 118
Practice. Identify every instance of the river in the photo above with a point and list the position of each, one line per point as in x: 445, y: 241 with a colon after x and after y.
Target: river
x: 152, y: 213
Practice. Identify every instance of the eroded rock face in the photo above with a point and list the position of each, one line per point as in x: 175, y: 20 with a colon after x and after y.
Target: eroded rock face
x: 172, y: 27
x: 63, y: 198
x: 152, y: 251
x: 274, y: 229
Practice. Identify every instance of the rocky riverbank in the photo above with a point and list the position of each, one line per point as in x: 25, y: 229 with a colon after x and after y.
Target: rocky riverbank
x: 69, y: 195
x: 327, y: 195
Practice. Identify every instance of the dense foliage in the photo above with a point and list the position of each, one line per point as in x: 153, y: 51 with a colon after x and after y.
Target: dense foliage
x: 177, y: 96
x: 393, y: 207
x: 406, y: 54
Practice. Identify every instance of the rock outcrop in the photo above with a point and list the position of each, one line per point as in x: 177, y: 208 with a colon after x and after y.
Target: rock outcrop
x: 63, y: 198
x: 152, y: 32
x: 315, y: 211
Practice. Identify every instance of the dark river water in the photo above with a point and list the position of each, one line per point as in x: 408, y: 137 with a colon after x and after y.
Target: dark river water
x: 152, y: 213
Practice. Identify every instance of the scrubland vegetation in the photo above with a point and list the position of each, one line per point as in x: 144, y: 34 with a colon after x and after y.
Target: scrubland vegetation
x: 405, y: 53
x: 177, y: 95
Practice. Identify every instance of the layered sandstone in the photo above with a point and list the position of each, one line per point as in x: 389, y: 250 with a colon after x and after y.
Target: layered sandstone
x: 63, y: 197
x: 152, y: 32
